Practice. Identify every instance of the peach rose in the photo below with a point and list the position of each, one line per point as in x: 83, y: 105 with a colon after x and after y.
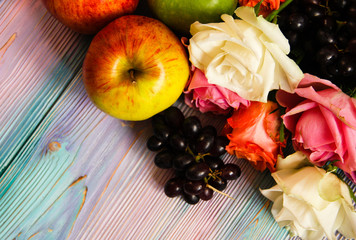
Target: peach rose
x: 255, y: 134
x: 266, y: 8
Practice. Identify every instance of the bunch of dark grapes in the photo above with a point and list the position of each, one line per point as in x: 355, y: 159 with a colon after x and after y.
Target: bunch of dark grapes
x: 322, y: 35
x: 193, y: 152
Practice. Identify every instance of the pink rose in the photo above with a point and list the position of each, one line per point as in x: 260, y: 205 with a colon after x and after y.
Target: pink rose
x: 208, y: 97
x: 322, y: 120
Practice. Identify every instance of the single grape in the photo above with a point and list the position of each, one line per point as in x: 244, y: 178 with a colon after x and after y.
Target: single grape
x: 177, y: 142
x: 173, y: 117
x: 214, y: 163
x: 174, y: 187
x: 155, y: 144
x: 209, y: 130
x: 347, y: 65
x: 219, y: 183
x: 219, y: 147
x: 191, y: 199
x: 297, y: 21
x: 204, y: 142
x: 315, y: 12
x: 161, y: 131
x: 230, y: 171
x: 325, y: 36
x: 206, y: 194
x: 197, y: 171
x: 194, y: 187
x: 327, y: 55
x: 182, y: 161
x: 164, y: 159
x: 191, y: 126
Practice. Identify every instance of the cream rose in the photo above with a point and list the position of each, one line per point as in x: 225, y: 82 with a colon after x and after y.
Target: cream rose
x: 309, y: 201
x: 247, y: 55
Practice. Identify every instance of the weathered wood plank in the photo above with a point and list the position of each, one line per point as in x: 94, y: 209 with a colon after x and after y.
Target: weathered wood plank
x: 38, y: 59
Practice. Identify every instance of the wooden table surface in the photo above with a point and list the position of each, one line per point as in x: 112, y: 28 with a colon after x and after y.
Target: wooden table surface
x: 69, y: 171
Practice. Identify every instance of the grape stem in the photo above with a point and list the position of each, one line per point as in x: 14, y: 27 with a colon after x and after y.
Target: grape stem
x: 214, y: 189
x: 190, y: 151
x: 198, y: 156
x: 214, y: 174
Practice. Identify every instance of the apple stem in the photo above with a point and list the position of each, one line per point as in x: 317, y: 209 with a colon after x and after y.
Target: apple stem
x: 132, y: 75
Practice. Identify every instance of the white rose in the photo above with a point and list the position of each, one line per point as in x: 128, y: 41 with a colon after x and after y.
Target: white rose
x: 247, y: 56
x: 309, y: 201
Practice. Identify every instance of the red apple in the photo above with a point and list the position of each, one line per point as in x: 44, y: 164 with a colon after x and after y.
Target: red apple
x: 135, y: 67
x: 89, y: 16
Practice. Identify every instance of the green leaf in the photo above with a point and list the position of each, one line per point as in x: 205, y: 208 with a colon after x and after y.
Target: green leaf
x: 281, y: 133
x: 282, y: 127
x: 257, y: 7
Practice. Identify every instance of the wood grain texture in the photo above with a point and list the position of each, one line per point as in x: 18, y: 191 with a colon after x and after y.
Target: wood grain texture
x: 38, y: 59
x: 68, y: 171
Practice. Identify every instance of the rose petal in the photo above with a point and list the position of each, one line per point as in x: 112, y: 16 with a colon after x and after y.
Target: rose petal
x: 292, y: 74
x: 306, y: 188
x: 271, y: 30
x: 295, y: 160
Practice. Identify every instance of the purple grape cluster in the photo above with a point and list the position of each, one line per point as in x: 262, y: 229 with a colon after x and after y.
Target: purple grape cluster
x: 193, y: 152
x: 322, y: 35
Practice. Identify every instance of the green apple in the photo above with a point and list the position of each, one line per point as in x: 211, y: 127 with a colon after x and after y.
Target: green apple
x: 89, y: 16
x: 135, y: 67
x: 180, y: 14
